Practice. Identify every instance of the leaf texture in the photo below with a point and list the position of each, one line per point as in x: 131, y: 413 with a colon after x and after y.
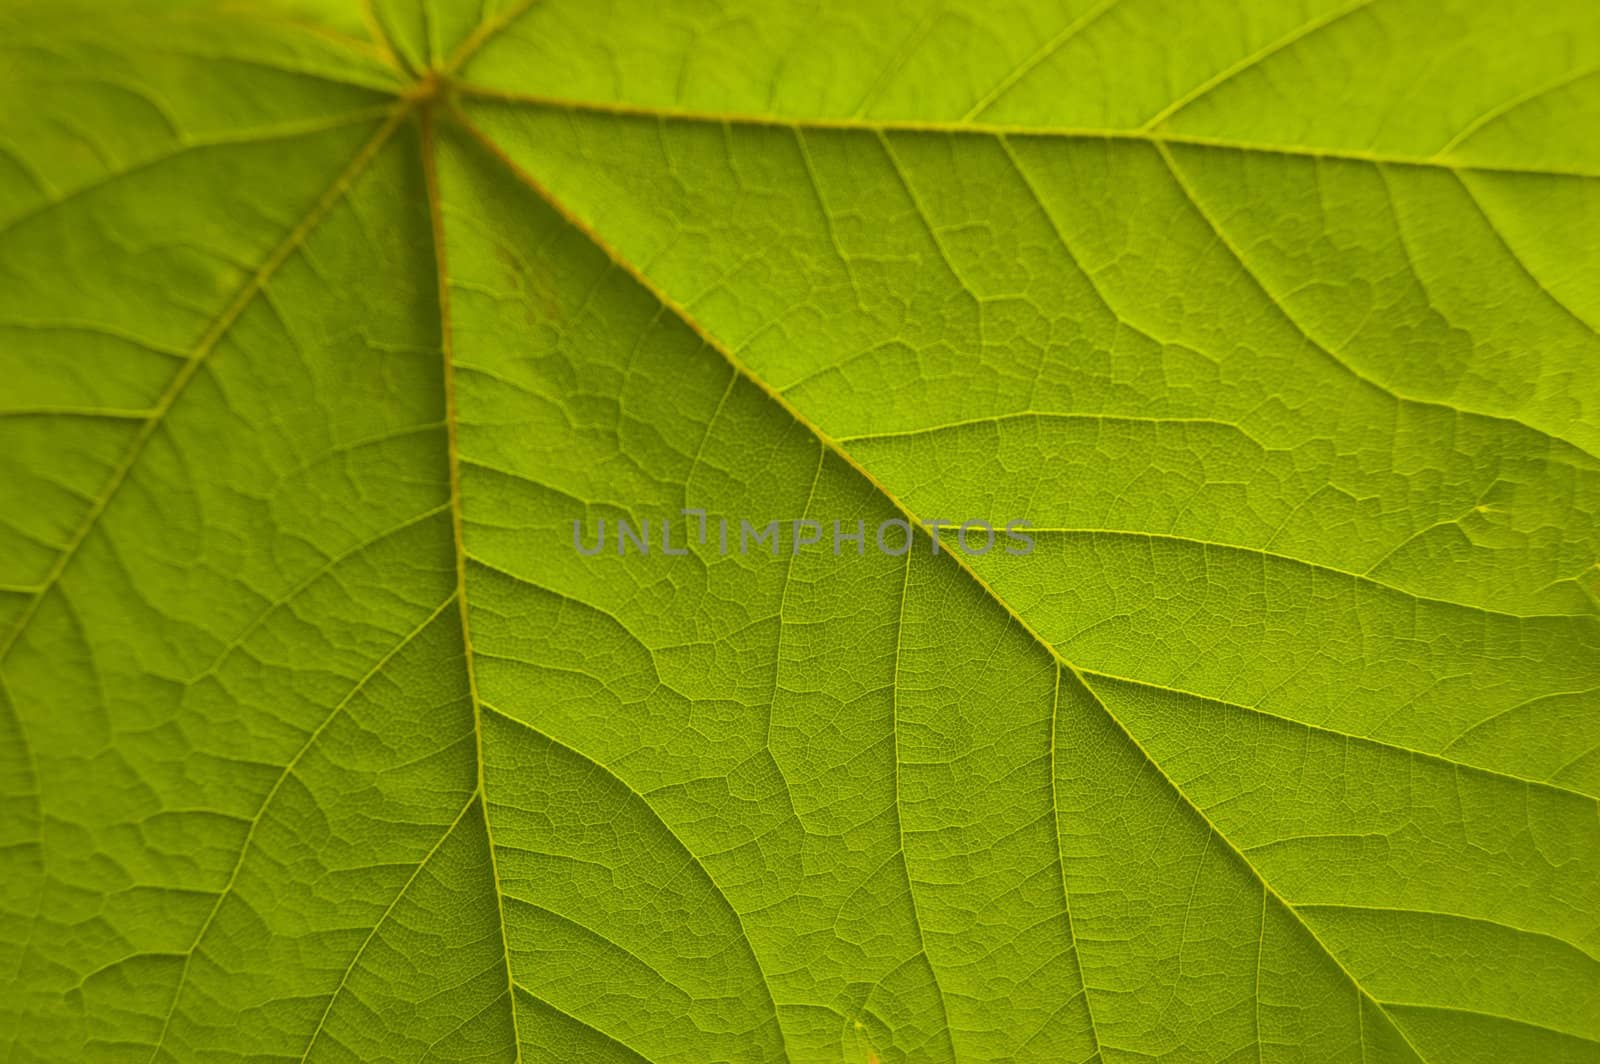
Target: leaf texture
x: 324, y: 321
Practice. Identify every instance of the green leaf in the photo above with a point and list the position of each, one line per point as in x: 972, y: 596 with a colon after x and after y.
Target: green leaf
x: 322, y: 324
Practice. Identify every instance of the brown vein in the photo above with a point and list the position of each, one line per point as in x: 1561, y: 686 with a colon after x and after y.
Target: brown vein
x: 998, y: 130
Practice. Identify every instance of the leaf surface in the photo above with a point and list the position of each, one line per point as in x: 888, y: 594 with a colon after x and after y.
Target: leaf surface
x: 325, y: 321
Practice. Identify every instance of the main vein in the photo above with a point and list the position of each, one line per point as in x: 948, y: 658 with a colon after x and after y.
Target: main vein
x: 1440, y: 160
x: 447, y: 346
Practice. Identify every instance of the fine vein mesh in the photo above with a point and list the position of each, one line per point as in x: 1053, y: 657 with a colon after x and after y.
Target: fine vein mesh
x: 325, y: 321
